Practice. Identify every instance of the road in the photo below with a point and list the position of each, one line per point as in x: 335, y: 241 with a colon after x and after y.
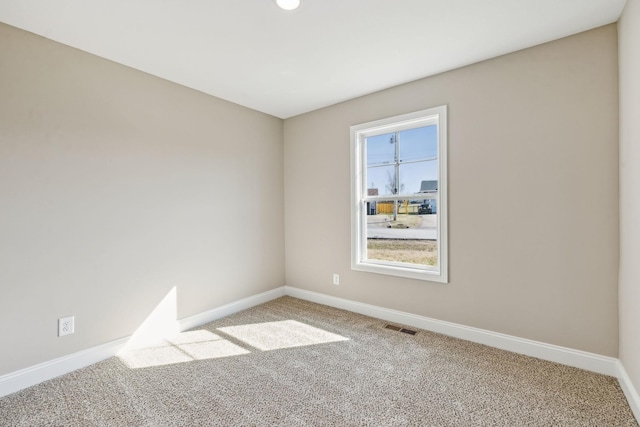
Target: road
x: 426, y: 230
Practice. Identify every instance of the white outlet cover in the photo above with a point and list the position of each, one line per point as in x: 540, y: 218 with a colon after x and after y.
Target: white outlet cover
x: 66, y: 326
x: 336, y: 279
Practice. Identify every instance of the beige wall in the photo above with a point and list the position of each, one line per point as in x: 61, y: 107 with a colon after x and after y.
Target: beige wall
x: 533, y: 195
x: 116, y: 186
x: 629, y: 286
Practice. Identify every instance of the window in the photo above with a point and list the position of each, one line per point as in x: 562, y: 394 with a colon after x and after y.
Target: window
x: 399, y: 195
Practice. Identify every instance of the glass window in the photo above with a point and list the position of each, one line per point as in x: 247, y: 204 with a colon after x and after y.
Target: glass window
x: 399, y: 195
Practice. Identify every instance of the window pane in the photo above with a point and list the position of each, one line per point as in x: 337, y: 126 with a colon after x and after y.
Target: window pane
x: 419, y: 143
x: 418, y: 177
x: 409, y: 238
x: 381, y: 150
x: 381, y: 180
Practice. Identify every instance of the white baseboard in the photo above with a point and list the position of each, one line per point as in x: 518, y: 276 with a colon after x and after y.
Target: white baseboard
x: 629, y: 390
x: 18, y: 380
x: 227, y: 309
x: 566, y: 356
x: 10, y: 383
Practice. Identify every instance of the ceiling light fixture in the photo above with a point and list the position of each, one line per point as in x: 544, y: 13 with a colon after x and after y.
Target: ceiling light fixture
x: 288, y: 4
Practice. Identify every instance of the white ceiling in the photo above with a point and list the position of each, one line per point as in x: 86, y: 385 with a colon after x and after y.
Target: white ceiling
x: 286, y: 63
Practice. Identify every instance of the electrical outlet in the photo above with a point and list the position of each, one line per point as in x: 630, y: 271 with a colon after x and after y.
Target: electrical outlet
x: 66, y: 326
x: 336, y: 279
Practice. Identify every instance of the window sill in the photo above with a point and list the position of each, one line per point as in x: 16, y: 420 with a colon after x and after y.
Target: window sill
x: 408, y: 272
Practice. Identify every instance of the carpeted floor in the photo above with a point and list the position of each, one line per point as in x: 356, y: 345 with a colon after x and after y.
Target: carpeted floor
x: 294, y: 363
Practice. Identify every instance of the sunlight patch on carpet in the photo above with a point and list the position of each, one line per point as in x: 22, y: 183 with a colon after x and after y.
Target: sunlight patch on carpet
x: 281, y: 334
x: 180, y: 348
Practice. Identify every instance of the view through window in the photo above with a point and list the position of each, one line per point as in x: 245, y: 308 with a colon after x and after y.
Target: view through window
x: 399, y: 173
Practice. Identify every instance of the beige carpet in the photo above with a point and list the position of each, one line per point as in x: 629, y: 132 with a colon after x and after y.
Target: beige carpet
x: 295, y: 363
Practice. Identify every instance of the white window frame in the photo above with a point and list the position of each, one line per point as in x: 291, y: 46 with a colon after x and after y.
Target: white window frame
x: 359, y: 196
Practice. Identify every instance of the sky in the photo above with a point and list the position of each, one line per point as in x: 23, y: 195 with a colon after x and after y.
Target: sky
x: 419, y: 145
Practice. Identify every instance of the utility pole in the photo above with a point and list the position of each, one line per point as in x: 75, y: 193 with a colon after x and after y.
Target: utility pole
x: 395, y: 140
